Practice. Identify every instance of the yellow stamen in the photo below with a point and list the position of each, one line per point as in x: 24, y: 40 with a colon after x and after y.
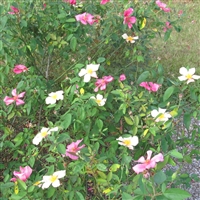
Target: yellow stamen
x: 188, y: 76
x: 161, y: 116
x: 89, y: 71
x: 54, y: 96
x: 129, y: 39
x: 127, y: 142
x: 53, y: 178
x: 44, y: 134
x: 98, y: 101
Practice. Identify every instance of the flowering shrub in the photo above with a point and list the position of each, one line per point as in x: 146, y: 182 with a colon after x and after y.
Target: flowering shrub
x: 75, y: 143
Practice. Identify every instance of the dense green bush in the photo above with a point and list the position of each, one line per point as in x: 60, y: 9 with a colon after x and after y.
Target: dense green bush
x: 51, y: 55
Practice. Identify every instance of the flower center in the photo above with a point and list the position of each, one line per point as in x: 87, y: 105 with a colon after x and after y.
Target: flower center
x: 98, y: 101
x: 44, y: 134
x: 188, y: 76
x: 161, y: 116
x: 53, y: 178
x: 127, y: 142
x: 15, y: 98
x: 147, y: 161
x: 129, y: 39
x: 54, y: 96
x: 89, y: 71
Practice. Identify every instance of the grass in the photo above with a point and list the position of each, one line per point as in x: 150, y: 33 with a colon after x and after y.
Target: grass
x: 181, y: 49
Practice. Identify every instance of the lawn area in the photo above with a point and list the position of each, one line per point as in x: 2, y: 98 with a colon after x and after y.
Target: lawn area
x: 181, y: 49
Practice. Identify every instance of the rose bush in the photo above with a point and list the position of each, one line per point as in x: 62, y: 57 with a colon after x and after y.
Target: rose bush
x: 78, y: 143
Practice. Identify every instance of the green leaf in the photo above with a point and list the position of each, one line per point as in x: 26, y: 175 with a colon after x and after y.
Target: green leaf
x: 167, y: 34
x: 187, y: 120
x: 50, y: 191
x: 168, y: 93
x: 61, y: 148
x: 31, y: 161
x: 126, y: 159
x: 126, y: 196
x: 62, y: 15
x: 67, y: 120
x: 22, y: 184
x: 140, y: 58
x: 176, y: 193
x: 63, y: 137
x: 23, y: 23
x: 18, y: 196
x: 50, y: 159
x: 6, y: 185
x: 80, y: 196
x: 1, y: 45
x: 100, y: 59
x: 159, y: 177
x: 102, y: 175
x: 174, y: 153
x: 50, y: 170
x: 114, y: 167
x: 109, y: 176
x: 31, y: 188
x: 70, y: 20
x: 143, y: 77
x: 73, y: 43
x: 101, y: 167
x: 128, y: 120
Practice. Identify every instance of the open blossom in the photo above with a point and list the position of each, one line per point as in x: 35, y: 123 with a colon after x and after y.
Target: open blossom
x: 73, y: 150
x: 18, y: 69
x: 16, y: 98
x: 148, y: 163
x: 162, y: 6
x: 52, y: 180
x: 99, y: 99
x: 104, y: 1
x: 14, y: 9
x: 54, y: 96
x: 42, y: 134
x: 187, y: 75
x: 122, y: 77
x: 85, y: 18
x: 72, y: 2
x: 23, y: 174
x: 167, y: 26
x: 160, y: 115
x: 129, y: 142
x: 89, y: 72
x: 101, y: 83
x: 129, y: 38
x: 150, y: 86
x: 128, y: 19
